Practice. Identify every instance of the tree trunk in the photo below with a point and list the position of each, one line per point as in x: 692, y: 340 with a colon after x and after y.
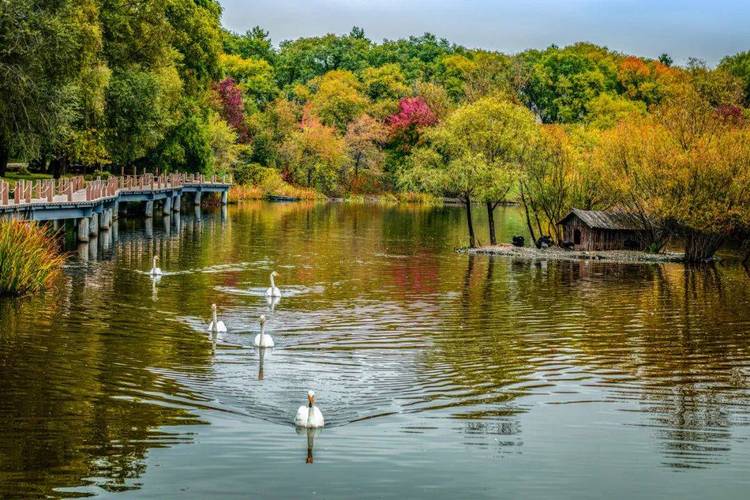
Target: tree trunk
x: 4, y: 156
x: 472, y: 238
x: 56, y: 167
x: 491, y: 220
x: 700, y: 247
x: 309, y: 177
x: 528, y: 217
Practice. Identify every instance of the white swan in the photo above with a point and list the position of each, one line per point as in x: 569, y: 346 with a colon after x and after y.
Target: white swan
x: 273, y: 291
x: 263, y: 339
x: 216, y: 326
x: 272, y: 302
x: 155, y: 271
x: 309, y: 416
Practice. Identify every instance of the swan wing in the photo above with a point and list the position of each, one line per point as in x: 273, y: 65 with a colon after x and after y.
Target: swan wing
x: 317, y: 418
x: 221, y: 327
x: 301, y: 419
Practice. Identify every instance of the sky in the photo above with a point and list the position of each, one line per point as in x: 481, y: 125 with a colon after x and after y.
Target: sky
x: 706, y: 29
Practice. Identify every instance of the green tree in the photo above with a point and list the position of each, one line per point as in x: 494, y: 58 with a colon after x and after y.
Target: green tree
x: 738, y: 65
x: 196, y: 36
x: 562, y: 82
x: 254, y: 76
x: 254, y: 44
x: 476, y: 153
x: 43, y: 47
x: 141, y: 109
x: 303, y: 59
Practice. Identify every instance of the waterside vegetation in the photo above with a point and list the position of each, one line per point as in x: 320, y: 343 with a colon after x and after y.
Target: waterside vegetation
x: 30, y: 259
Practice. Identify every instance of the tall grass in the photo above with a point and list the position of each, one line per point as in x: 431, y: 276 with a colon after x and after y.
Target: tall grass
x: 29, y: 258
x: 271, y: 184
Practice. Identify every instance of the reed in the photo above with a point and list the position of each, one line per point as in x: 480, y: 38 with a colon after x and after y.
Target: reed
x: 244, y: 192
x: 29, y: 258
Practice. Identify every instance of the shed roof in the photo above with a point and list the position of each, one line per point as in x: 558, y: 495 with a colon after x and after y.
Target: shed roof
x: 597, y: 219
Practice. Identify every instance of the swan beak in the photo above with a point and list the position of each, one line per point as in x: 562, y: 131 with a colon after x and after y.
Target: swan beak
x: 311, y: 399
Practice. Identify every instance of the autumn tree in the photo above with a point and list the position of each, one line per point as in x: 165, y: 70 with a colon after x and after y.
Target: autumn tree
x: 337, y: 99
x: 686, y: 169
x: 231, y: 106
x: 314, y: 154
x: 364, y: 139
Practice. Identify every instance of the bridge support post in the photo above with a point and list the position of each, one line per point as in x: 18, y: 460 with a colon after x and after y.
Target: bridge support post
x: 56, y: 225
x: 198, y: 198
x: 106, y: 218
x: 116, y: 210
x: 83, y: 230
x: 94, y: 225
x: 224, y: 197
x: 149, y: 209
x: 168, y: 205
x: 176, y: 203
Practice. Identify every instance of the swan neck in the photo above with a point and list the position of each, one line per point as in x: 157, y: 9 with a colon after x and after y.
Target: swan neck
x: 215, y: 325
x: 273, y: 284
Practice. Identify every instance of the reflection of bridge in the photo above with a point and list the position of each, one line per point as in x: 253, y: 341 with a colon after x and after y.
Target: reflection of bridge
x: 93, y: 204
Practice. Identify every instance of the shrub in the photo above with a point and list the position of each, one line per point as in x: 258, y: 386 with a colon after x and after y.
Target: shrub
x: 29, y: 258
x: 249, y: 173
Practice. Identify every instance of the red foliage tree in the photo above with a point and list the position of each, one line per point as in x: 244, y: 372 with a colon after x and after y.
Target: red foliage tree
x: 233, y: 109
x: 413, y: 115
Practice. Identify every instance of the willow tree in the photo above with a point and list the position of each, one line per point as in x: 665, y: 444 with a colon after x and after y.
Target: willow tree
x: 686, y: 167
x: 476, y: 153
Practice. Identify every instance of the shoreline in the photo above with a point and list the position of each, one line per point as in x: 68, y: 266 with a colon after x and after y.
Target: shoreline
x: 554, y: 253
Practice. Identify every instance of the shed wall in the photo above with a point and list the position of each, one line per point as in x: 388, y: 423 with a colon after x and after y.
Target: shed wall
x: 601, y: 239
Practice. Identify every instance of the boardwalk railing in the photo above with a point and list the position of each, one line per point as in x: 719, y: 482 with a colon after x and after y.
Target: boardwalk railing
x: 77, y: 189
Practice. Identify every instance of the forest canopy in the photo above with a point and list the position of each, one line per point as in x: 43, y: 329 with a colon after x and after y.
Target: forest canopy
x: 160, y: 85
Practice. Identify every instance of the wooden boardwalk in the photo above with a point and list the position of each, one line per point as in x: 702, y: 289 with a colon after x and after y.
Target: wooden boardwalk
x: 93, y: 204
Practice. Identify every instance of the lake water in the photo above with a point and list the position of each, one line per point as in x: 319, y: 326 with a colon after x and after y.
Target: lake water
x: 440, y: 375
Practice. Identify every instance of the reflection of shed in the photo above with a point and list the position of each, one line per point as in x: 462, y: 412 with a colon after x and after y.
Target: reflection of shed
x: 596, y: 230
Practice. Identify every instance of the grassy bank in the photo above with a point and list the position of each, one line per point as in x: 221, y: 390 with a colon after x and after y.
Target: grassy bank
x: 29, y: 258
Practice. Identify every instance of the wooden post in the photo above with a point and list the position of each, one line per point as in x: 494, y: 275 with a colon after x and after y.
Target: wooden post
x: 149, y: 209
x: 168, y: 205
x: 197, y: 198
x: 223, y: 197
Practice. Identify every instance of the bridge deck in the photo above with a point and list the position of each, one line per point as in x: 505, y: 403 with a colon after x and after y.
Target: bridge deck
x: 75, y: 198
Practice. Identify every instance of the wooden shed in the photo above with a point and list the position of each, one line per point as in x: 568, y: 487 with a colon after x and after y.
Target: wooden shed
x: 598, y: 230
